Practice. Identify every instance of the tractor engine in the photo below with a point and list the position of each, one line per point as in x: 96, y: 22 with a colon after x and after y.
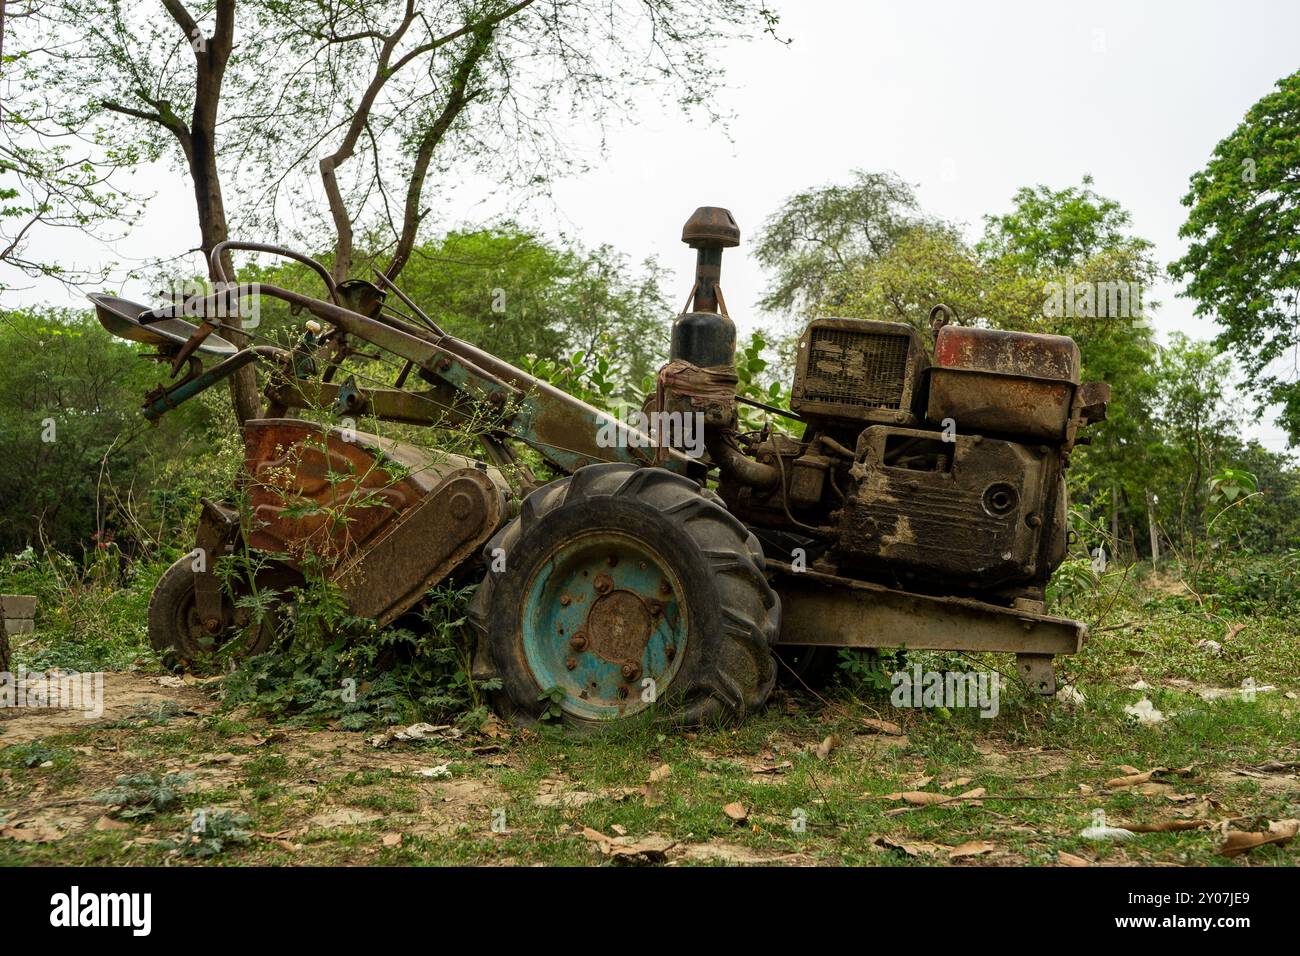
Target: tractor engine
x: 940, y: 475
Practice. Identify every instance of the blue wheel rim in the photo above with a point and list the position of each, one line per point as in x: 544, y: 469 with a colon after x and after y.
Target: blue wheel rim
x: 603, y: 620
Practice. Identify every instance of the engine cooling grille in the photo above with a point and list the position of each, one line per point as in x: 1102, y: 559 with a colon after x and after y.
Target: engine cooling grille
x: 857, y: 369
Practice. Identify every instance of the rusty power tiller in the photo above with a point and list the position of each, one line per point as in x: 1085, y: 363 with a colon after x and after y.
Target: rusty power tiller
x: 922, y: 504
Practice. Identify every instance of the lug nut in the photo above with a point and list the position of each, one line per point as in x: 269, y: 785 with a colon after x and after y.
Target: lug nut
x: 578, y: 642
x: 654, y: 607
x: 564, y: 600
x: 570, y: 663
x: 631, y: 671
x: 604, y: 583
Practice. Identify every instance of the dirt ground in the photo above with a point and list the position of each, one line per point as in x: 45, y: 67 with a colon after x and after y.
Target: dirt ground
x: 807, y: 783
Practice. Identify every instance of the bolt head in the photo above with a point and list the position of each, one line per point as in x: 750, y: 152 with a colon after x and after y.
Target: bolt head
x: 578, y: 642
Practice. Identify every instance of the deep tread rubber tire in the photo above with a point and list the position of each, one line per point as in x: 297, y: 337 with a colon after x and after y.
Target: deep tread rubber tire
x: 728, y: 670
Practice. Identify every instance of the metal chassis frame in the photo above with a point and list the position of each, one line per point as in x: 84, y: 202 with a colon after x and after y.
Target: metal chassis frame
x: 824, y: 610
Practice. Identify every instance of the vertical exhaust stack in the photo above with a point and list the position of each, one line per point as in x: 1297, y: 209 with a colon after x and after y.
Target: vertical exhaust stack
x: 706, y: 336
x: 700, y: 378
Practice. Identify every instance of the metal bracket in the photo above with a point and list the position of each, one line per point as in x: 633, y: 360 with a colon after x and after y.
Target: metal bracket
x: 1038, y: 672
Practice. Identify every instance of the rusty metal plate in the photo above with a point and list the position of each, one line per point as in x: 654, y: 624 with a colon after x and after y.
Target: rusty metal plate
x: 1029, y: 408
x: 424, y: 544
x: 326, y: 492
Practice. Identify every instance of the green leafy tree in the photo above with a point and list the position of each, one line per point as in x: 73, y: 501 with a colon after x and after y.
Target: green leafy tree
x: 1075, y: 238
x: 324, y: 122
x: 1197, y: 430
x: 1243, y: 262
x: 1056, y: 229
x: 819, y: 233
x: 81, y: 459
x: 930, y: 264
x: 519, y: 296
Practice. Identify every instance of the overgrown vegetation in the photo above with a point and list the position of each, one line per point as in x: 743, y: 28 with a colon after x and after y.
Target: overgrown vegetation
x: 817, y: 782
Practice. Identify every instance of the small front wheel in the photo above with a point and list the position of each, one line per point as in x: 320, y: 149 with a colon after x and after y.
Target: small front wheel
x: 178, y: 634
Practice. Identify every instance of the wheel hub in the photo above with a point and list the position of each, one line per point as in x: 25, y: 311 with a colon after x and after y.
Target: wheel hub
x: 602, y: 620
x: 619, y: 626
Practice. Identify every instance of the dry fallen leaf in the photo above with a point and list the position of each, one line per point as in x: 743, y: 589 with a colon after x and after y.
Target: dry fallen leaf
x: 651, y: 787
x: 1069, y: 859
x: 1237, y: 842
x: 882, y: 727
x: 908, y: 847
x: 1137, y: 777
x: 392, y: 839
x: 108, y: 823
x: 624, y: 849
x: 736, y: 811
x: 823, y: 749
x: 492, y: 728
x: 919, y: 798
x: 1165, y: 826
x: 971, y: 848
x: 35, y: 831
x: 959, y: 782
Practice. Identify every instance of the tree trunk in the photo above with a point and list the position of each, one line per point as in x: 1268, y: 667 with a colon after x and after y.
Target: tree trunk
x: 201, y: 152
x: 1114, y: 519
x: 213, y: 230
x: 1155, y: 535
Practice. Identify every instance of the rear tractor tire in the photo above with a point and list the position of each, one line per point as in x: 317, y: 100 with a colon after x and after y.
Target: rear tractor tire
x: 624, y: 592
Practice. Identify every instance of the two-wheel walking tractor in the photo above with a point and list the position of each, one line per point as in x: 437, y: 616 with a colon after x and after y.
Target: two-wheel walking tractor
x: 914, y: 497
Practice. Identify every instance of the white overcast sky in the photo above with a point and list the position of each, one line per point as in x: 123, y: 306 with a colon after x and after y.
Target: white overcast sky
x: 967, y: 101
